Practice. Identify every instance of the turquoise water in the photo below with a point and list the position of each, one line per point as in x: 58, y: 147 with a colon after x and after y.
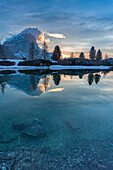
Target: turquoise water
x: 73, y: 108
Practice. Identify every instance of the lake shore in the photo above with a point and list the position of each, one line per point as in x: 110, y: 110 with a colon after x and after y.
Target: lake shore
x: 55, y: 67
x: 66, y: 64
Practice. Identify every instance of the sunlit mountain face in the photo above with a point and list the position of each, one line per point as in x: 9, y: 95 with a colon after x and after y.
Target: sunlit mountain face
x: 73, y: 25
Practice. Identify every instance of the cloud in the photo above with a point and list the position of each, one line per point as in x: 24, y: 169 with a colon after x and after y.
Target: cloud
x: 56, y: 90
x: 42, y: 38
x: 82, y: 21
x: 55, y: 35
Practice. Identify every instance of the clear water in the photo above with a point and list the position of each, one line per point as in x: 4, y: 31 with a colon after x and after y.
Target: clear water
x: 74, y: 108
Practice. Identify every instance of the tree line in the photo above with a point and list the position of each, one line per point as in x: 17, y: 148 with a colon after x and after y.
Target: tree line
x: 34, y: 53
x: 91, y: 78
x: 93, y: 55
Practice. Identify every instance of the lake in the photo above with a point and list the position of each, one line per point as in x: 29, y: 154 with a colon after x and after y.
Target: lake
x: 56, y: 120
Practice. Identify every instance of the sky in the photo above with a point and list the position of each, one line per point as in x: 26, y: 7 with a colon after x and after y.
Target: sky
x: 84, y: 23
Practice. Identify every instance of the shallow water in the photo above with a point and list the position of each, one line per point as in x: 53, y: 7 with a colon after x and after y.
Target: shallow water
x: 74, y: 108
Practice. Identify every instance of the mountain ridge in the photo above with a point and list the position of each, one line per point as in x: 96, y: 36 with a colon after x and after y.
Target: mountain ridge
x: 20, y: 44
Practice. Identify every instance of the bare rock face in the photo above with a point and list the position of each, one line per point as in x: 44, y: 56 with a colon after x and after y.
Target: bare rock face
x: 20, y: 43
x: 6, y: 53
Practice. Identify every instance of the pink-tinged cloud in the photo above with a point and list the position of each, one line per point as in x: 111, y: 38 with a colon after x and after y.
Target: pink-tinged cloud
x: 55, y: 35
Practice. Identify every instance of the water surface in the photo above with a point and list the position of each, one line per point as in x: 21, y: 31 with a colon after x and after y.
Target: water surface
x: 74, y: 109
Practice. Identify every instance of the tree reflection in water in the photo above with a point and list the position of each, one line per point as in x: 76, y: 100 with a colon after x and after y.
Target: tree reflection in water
x: 29, y: 82
x: 90, y: 78
x: 46, y: 82
x: 3, y: 87
x: 105, y: 72
x: 56, y: 78
x: 97, y: 78
x: 33, y: 82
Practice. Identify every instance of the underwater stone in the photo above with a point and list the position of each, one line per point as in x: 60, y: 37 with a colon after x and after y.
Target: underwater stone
x: 34, y: 129
x: 6, y: 138
x: 19, y: 127
x: 71, y: 124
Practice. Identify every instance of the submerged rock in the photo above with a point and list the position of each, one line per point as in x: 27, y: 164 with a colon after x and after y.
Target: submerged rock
x: 19, y: 127
x: 8, y: 137
x: 34, y: 129
x: 71, y: 124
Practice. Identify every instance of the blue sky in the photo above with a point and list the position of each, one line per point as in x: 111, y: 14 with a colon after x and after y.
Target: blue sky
x: 83, y: 22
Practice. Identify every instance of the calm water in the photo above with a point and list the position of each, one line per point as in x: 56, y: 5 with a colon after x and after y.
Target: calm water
x: 73, y: 109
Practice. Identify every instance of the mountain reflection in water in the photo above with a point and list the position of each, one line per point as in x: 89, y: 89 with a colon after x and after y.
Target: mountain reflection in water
x: 35, y: 83
x: 65, y: 116
x: 27, y: 83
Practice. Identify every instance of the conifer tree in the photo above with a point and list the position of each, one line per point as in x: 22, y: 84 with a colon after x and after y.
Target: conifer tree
x: 36, y: 52
x: 82, y: 56
x: 32, y: 51
x: 106, y: 57
x: 99, y: 55
x: 72, y: 55
x: 92, y: 53
x: 56, y: 53
x: 45, y: 50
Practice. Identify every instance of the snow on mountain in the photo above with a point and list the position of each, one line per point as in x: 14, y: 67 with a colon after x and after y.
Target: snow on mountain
x: 28, y: 31
x: 34, y: 31
x: 20, y: 43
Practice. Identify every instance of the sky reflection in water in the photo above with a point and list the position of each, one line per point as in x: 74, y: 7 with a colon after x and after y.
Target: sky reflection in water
x: 80, y: 111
